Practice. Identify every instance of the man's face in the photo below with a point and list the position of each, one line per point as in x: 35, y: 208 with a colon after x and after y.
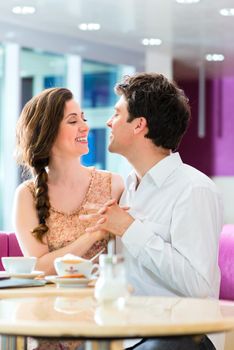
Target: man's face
x: 121, y: 131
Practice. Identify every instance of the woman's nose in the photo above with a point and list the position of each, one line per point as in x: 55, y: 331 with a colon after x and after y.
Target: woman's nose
x: 83, y: 127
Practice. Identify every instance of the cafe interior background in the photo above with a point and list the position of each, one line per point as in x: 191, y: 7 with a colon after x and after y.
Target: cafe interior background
x: 88, y: 45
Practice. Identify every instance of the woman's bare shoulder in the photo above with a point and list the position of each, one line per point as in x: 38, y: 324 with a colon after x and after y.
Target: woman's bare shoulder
x: 116, y: 181
x: 25, y: 189
x: 117, y: 185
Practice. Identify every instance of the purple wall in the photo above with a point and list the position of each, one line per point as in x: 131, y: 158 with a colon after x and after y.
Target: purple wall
x: 212, y: 154
x: 223, y: 126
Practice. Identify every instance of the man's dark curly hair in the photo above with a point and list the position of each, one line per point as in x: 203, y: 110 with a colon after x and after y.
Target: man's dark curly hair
x: 161, y: 103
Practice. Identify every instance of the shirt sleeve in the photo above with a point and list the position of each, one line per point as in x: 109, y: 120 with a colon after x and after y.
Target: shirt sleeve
x: 187, y: 262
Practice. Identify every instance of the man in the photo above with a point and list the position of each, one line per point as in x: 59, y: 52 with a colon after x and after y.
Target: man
x: 171, y: 231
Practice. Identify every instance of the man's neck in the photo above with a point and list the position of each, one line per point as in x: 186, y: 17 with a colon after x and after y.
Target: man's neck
x: 143, y: 162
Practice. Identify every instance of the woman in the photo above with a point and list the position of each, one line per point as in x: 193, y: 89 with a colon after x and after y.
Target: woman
x: 51, y: 138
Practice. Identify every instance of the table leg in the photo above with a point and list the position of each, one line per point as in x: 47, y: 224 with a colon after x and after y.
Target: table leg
x: 10, y: 342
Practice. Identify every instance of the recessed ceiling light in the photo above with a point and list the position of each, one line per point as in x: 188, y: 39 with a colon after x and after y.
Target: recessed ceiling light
x: 227, y: 12
x: 214, y: 57
x: 151, y: 42
x: 187, y: 1
x: 89, y: 26
x: 23, y: 10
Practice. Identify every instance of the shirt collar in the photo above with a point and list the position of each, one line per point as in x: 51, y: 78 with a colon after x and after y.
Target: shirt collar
x: 159, y: 172
x: 131, y: 180
x: 163, y: 169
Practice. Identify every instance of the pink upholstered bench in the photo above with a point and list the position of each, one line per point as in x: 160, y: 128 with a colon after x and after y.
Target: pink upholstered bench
x: 3, y: 247
x: 9, y: 246
x: 226, y: 262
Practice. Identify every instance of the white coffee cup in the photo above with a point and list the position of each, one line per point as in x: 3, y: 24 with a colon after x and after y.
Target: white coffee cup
x: 67, y: 266
x: 19, y: 264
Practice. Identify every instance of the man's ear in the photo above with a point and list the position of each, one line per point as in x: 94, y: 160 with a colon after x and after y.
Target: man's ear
x: 140, y: 125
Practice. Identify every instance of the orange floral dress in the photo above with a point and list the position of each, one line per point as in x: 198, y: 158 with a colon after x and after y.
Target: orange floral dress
x: 66, y: 228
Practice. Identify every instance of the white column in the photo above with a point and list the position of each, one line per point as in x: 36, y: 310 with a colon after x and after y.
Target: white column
x: 11, y: 110
x: 74, y: 76
x: 159, y: 62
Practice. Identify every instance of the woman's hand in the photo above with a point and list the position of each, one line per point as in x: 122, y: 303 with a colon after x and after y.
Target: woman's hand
x: 110, y: 217
x: 100, y: 234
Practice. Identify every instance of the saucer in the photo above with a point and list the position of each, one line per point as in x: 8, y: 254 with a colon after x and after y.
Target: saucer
x: 68, y: 282
x: 22, y: 275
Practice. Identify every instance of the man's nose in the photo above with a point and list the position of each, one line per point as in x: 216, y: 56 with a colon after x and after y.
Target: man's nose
x: 109, y: 122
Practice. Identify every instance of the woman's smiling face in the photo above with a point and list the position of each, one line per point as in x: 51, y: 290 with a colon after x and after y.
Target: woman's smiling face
x: 73, y: 132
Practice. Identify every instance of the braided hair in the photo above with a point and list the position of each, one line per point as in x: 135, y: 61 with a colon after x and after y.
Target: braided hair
x: 36, y: 132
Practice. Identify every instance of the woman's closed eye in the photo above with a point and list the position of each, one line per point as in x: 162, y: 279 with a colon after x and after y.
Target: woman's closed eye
x: 75, y: 121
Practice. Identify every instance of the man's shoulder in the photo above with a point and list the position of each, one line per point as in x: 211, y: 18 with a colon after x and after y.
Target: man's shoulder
x: 193, y: 178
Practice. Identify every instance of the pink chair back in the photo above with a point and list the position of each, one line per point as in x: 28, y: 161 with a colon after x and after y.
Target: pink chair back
x: 14, y: 248
x: 3, y: 247
x: 9, y: 246
x: 226, y: 262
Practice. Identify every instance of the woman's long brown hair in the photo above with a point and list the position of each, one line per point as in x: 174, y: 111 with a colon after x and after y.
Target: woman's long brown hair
x: 36, y: 132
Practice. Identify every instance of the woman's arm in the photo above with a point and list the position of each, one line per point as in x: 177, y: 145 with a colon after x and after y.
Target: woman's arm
x: 117, y: 186
x: 25, y: 219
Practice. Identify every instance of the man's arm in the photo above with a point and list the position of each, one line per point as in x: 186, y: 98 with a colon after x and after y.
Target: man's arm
x: 187, y: 262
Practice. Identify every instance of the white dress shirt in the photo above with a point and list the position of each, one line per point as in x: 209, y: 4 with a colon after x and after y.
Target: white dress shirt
x: 171, y: 249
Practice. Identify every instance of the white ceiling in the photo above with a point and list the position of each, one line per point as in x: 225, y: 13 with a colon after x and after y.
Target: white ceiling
x: 188, y: 32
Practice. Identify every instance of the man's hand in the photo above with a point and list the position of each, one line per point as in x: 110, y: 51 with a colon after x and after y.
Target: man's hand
x: 110, y: 217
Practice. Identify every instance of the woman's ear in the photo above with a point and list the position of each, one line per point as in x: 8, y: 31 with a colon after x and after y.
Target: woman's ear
x: 140, y: 125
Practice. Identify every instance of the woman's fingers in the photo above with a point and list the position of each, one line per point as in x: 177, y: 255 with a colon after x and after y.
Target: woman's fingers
x: 110, y: 202
x: 93, y: 229
x: 101, y: 221
x: 125, y: 208
x: 103, y: 210
x: 87, y: 217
